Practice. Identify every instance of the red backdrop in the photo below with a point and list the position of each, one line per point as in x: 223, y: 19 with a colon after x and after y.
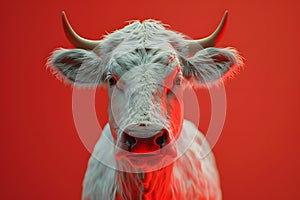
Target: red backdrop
x: 42, y: 156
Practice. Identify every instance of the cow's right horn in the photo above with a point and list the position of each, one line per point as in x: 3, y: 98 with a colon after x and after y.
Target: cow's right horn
x: 211, y: 40
x: 75, y: 39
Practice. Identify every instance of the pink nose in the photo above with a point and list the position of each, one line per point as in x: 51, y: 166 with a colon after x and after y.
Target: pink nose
x: 136, y: 144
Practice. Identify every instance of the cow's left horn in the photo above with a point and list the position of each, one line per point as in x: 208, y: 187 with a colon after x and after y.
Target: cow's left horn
x: 75, y: 39
x: 210, y: 41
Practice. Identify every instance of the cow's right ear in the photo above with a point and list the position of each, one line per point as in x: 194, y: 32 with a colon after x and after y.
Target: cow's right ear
x: 77, y: 66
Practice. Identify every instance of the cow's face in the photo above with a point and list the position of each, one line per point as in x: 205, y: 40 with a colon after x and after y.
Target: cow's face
x: 145, y: 68
x: 145, y: 110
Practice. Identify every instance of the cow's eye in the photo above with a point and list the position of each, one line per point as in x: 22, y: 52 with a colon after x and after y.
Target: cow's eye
x: 110, y: 80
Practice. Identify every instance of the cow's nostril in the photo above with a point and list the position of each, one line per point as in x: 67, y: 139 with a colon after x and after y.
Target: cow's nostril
x: 161, y: 141
x: 130, y: 141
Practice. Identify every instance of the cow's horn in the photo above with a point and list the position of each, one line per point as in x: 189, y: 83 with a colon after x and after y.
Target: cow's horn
x: 210, y: 41
x: 75, y: 39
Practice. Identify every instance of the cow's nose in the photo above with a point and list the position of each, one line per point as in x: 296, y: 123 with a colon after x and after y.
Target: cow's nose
x: 137, y: 144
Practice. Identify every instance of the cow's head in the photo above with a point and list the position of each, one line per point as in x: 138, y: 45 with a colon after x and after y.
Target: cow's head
x: 145, y: 67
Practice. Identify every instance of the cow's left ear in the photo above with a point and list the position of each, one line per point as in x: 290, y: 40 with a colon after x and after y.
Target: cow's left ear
x: 77, y: 66
x: 209, y: 65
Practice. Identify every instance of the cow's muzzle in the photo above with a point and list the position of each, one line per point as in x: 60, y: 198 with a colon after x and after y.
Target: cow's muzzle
x: 146, y: 148
x: 144, y: 139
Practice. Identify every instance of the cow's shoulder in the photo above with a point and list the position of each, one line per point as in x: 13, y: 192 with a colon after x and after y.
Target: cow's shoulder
x: 195, y: 172
x: 99, y: 177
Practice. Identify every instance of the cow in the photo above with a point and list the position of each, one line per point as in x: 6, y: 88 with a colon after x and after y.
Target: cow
x: 146, y: 67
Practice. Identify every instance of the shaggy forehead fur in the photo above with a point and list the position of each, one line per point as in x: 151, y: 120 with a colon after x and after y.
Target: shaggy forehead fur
x: 156, y: 62
x: 149, y: 40
x: 148, y: 34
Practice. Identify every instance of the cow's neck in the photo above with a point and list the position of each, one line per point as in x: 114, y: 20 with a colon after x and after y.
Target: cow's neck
x: 150, y: 185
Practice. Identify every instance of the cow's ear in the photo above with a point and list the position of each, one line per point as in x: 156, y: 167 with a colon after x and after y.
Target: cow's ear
x: 77, y: 66
x: 209, y: 65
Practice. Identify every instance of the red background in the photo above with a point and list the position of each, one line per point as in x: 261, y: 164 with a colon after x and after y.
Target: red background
x: 42, y: 156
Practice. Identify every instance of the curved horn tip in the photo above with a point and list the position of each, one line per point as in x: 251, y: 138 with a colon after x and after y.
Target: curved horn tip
x: 64, y: 17
x: 63, y: 14
x: 225, y: 15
